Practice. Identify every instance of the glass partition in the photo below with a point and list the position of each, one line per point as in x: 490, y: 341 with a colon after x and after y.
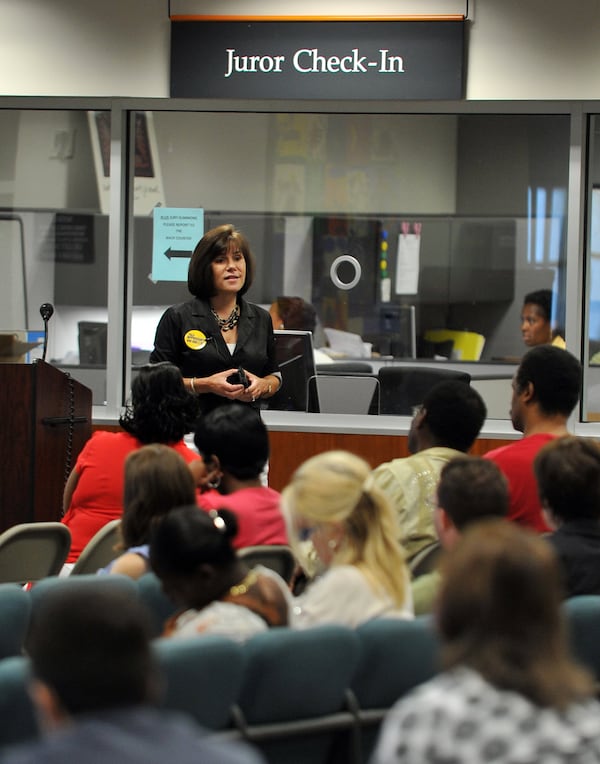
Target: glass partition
x: 373, y: 218
x: 591, y: 408
x: 53, y: 241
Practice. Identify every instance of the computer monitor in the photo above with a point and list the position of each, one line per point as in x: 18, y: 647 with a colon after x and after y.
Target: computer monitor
x: 294, y: 353
x: 92, y: 343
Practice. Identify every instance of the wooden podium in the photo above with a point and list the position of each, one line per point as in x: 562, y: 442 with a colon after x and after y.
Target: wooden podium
x: 45, y: 419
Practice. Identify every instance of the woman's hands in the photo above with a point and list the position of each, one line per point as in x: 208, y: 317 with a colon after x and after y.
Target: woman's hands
x: 218, y: 384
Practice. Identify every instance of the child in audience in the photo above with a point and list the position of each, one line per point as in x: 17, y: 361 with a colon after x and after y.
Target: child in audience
x: 331, y: 500
x: 568, y: 477
x: 193, y: 555
x: 510, y: 691
x: 157, y: 479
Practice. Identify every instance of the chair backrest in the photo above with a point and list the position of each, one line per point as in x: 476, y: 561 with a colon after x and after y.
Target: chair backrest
x: 19, y: 721
x: 277, y: 557
x: 345, y: 367
x: 344, y: 394
x: 203, y: 677
x: 425, y: 560
x: 15, y: 613
x: 403, y: 387
x: 293, y: 696
x: 88, y: 582
x: 159, y: 605
x: 31, y: 551
x: 467, y: 346
x: 396, y: 655
x: 99, y: 551
x: 582, y: 615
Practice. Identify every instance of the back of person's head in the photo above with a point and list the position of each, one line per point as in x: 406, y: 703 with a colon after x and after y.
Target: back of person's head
x: 161, y: 410
x: 499, y: 612
x: 157, y: 479
x: 188, y: 537
x: 556, y: 378
x: 336, y: 487
x: 92, y: 648
x: 237, y: 436
x: 216, y: 243
x: 470, y: 489
x: 454, y: 413
x: 568, y: 476
x: 542, y: 298
x: 296, y: 313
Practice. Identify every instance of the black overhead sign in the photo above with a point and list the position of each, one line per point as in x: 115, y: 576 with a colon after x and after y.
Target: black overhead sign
x: 317, y: 59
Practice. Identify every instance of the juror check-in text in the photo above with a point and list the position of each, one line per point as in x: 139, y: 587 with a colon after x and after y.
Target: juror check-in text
x: 309, y: 61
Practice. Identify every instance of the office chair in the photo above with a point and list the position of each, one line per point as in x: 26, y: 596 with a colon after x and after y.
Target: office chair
x: 277, y: 557
x: 99, y: 551
x: 30, y: 551
x: 344, y: 394
x: 404, y: 387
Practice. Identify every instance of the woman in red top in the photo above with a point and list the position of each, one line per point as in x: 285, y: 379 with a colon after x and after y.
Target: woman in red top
x: 161, y: 411
x: 234, y: 443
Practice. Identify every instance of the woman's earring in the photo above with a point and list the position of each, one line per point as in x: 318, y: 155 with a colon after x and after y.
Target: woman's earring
x: 215, y: 483
x: 332, y: 544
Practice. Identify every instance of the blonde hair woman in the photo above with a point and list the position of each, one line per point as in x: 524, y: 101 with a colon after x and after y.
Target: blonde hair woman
x: 332, y: 501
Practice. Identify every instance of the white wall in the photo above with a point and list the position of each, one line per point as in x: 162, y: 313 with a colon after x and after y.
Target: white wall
x: 517, y: 49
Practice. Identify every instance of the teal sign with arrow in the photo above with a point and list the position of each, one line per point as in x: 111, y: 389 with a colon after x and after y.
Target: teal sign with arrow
x: 175, y: 234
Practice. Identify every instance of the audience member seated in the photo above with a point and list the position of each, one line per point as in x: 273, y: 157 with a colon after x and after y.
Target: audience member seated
x: 235, y: 445
x: 546, y: 389
x: 157, y: 479
x: 193, y: 555
x: 161, y: 411
x: 568, y: 476
x: 510, y: 691
x: 95, y: 684
x: 332, y: 501
x: 444, y: 426
x: 536, y: 320
x: 470, y: 489
x: 296, y: 313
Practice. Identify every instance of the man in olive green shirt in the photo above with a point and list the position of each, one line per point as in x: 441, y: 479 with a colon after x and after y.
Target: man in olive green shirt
x: 444, y: 427
x: 470, y: 489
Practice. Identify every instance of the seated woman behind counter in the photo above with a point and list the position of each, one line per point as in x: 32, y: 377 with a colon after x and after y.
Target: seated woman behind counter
x: 218, y: 332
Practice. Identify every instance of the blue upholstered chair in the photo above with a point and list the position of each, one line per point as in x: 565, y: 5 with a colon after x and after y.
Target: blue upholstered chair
x: 160, y: 606
x: 293, y: 700
x: 19, y: 723
x: 15, y: 612
x: 395, y: 656
x: 203, y: 677
x: 582, y: 615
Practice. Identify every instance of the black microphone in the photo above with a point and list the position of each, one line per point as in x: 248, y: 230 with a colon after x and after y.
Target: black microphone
x: 46, y: 312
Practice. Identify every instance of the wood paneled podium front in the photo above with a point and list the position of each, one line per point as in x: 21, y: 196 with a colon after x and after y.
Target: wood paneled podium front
x: 45, y: 419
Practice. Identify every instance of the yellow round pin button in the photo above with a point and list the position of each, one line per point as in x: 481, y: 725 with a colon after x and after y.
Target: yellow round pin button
x: 195, y: 339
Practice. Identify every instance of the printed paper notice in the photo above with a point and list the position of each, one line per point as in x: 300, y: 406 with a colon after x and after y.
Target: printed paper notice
x: 407, y: 264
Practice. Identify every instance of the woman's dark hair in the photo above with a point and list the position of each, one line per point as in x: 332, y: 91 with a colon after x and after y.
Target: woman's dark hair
x: 188, y: 537
x: 237, y: 435
x: 499, y: 612
x: 157, y: 479
x: 217, y: 242
x: 160, y: 410
x: 296, y: 313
